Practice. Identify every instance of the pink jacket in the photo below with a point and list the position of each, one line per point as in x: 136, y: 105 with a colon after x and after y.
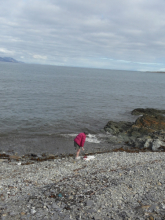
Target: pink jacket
x: 80, y: 139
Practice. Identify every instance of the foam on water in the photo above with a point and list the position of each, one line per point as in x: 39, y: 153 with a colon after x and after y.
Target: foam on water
x: 69, y: 135
x: 90, y: 138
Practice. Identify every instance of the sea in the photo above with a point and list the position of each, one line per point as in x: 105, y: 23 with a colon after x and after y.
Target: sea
x: 43, y: 107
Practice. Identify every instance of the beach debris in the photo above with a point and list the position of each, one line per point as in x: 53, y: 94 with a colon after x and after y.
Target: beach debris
x: 60, y: 195
x: 14, y: 157
x: 88, y: 157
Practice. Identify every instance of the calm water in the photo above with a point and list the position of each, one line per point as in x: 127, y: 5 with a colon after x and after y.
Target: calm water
x: 49, y: 100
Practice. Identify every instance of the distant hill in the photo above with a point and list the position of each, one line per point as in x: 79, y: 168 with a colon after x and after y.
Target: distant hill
x: 8, y: 59
x: 155, y: 71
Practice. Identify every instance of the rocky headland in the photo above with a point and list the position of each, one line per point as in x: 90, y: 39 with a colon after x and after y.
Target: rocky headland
x: 8, y: 59
x: 146, y: 133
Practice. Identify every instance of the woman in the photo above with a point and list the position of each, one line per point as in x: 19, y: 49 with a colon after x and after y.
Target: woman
x: 79, y: 143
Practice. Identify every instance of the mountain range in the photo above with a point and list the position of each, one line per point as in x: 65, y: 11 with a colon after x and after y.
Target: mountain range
x: 8, y: 59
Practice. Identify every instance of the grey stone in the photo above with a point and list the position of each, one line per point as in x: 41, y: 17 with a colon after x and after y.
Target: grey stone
x: 152, y: 208
x: 91, y: 211
x: 45, y: 218
x: 67, y: 217
x: 139, y: 210
x: 55, y: 206
x: 63, y: 205
x: 27, y: 217
x: 33, y: 211
x: 13, y: 213
x: 89, y: 203
x: 96, y: 217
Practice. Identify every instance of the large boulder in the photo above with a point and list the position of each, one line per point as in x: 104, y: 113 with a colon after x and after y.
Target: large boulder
x: 154, y: 144
x: 116, y: 128
x: 148, y: 124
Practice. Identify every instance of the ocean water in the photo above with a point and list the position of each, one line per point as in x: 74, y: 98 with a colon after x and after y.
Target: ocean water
x: 42, y: 101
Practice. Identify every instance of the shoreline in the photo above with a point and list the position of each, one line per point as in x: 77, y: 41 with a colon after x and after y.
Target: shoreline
x: 145, y: 134
x: 32, y: 157
x: 113, y: 185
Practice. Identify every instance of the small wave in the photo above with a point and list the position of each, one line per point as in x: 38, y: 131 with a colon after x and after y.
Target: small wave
x: 69, y: 135
x: 90, y: 138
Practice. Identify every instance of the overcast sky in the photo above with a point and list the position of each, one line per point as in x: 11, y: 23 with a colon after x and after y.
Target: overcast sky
x: 113, y: 34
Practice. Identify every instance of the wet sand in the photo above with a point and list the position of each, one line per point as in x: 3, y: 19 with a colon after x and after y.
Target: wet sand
x: 56, y: 145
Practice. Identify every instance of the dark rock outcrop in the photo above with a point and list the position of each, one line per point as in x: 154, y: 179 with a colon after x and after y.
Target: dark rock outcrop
x: 148, y: 124
x: 148, y: 131
x: 147, y: 111
x: 116, y: 128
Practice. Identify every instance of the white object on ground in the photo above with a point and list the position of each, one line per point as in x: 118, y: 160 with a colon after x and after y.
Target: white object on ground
x: 89, y: 158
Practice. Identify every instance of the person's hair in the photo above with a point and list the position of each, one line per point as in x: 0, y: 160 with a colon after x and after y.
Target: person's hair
x: 86, y: 133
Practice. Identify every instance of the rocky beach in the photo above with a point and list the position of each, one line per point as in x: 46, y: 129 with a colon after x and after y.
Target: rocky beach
x: 124, y: 181
x: 116, y: 185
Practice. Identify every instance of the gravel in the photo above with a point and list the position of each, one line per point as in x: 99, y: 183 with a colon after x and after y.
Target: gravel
x: 115, y: 185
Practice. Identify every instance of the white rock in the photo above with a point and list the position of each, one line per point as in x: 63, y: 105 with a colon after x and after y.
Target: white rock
x: 148, y: 143
x: 33, y: 211
x: 156, y: 144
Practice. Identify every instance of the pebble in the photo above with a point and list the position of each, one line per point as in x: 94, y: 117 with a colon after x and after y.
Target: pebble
x: 115, y: 185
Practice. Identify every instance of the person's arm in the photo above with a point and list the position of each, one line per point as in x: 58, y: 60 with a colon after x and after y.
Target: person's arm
x: 83, y: 140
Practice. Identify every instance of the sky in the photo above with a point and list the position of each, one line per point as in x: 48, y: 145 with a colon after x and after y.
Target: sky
x: 111, y: 34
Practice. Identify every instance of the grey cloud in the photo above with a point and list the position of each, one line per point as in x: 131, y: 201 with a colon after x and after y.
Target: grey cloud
x: 82, y: 33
